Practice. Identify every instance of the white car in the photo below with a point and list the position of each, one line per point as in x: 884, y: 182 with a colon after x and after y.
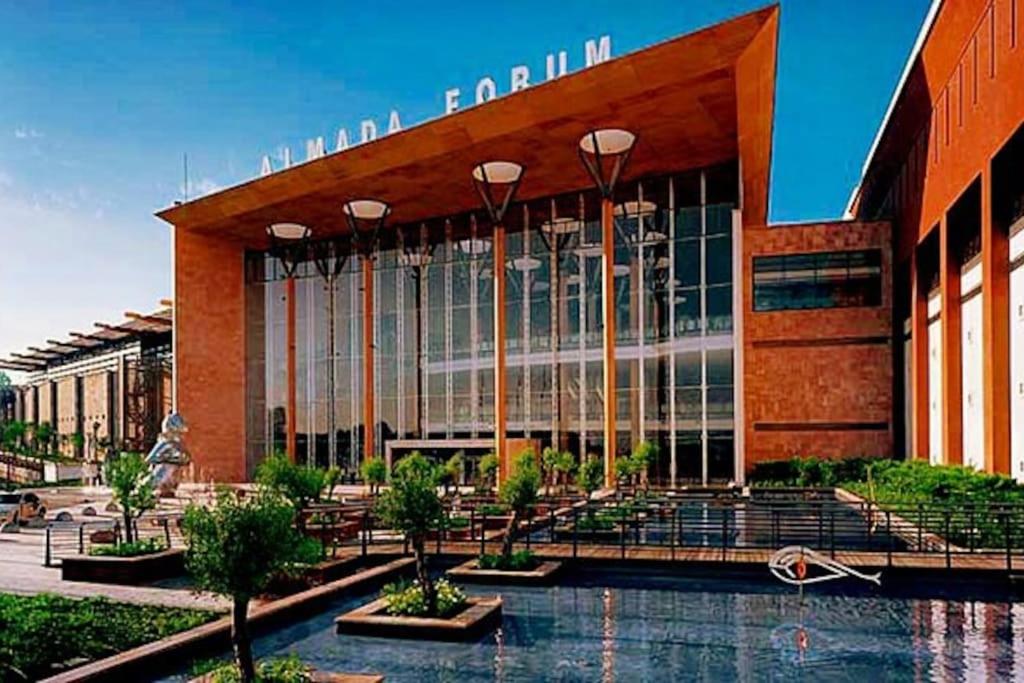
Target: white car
x: 20, y: 507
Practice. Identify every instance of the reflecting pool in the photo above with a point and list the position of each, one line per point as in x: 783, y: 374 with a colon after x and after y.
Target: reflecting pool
x: 640, y: 627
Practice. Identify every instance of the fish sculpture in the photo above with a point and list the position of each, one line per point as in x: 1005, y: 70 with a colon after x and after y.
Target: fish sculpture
x: 790, y: 565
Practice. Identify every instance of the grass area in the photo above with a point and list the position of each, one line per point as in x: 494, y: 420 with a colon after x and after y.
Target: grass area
x: 146, y: 546
x: 974, y: 504
x: 43, y: 634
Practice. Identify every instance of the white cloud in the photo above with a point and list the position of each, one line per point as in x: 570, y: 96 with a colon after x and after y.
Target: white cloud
x: 25, y: 133
x: 200, y: 188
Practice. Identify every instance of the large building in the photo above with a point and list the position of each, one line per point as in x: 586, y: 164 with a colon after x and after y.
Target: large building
x: 639, y: 293
x: 947, y: 168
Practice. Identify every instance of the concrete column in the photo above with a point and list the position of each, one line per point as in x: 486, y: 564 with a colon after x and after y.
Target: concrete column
x: 369, y: 418
x: 290, y: 335
x: 952, y: 355
x: 608, y: 301
x: 500, y: 380
x: 919, y: 356
x: 995, y: 285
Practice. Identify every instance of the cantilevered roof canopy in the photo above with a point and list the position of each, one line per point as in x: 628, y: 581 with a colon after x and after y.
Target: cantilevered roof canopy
x: 59, y: 352
x: 693, y: 101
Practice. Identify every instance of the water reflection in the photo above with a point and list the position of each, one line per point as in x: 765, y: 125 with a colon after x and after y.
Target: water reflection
x: 647, y: 628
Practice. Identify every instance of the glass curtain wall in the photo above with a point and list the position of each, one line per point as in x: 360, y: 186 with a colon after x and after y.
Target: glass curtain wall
x: 433, y: 332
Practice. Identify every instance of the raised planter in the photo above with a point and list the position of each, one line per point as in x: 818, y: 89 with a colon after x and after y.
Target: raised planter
x: 313, y: 575
x: 480, y: 616
x: 165, y: 564
x: 320, y: 677
x: 541, y: 575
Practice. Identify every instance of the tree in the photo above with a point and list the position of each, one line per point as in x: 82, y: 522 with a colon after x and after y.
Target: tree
x: 128, y: 478
x: 644, y: 455
x: 331, y: 478
x: 412, y: 507
x: 5, y: 381
x: 453, y: 470
x: 549, y: 463
x: 488, y: 471
x: 375, y: 473
x: 625, y: 470
x: 565, y: 465
x: 590, y: 475
x: 519, y: 492
x: 235, y: 548
x: 13, y: 436
x: 300, y: 484
x: 42, y: 436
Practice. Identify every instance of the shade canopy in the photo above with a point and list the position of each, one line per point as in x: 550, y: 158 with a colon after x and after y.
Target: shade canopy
x: 694, y: 101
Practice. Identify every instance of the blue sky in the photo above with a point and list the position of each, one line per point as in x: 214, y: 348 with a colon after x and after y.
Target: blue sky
x: 100, y: 100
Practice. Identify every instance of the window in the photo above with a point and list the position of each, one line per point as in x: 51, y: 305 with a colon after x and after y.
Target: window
x: 835, y: 279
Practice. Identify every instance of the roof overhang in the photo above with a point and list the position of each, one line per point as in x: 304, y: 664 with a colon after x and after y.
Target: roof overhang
x: 679, y: 97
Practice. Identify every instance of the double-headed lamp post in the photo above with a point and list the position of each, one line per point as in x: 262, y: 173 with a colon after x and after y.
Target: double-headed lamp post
x: 605, y: 153
x: 365, y: 220
x: 497, y: 182
x: 289, y: 242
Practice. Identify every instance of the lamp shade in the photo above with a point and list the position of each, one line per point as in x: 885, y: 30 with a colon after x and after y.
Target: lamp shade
x: 288, y: 231
x: 607, y: 141
x: 366, y: 209
x: 497, y: 172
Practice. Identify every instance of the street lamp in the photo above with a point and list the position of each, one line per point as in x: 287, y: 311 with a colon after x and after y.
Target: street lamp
x: 289, y: 243
x: 366, y: 218
x: 604, y: 154
x: 497, y: 182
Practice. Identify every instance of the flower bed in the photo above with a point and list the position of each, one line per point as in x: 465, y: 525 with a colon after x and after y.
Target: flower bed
x: 43, y: 634
x: 523, y: 567
x: 131, y: 570
x: 147, y: 546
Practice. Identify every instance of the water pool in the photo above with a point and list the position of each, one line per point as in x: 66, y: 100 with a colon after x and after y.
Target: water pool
x: 614, y: 627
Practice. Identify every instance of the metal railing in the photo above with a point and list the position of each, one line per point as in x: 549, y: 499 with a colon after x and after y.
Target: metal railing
x: 65, y: 539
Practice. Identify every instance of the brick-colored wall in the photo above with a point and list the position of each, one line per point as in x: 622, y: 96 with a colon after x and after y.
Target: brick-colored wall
x: 96, y: 404
x: 45, y: 405
x: 210, y: 352
x: 817, y: 382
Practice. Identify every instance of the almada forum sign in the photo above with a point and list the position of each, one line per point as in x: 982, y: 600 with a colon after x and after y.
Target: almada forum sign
x: 519, y: 78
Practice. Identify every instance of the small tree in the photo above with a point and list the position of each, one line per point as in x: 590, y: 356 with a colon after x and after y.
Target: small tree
x: 519, y: 492
x: 411, y: 506
x: 565, y: 465
x: 300, y: 484
x: 488, y: 472
x: 549, y: 467
x: 42, y: 437
x: 235, y: 549
x: 13, y: 436
x: 590, y: 475
x: 128, y: 478
x: 625, y: 470
x: 644, y: 456
x: 453, y: 470
x: 375, y: 473
x: 331, y: 478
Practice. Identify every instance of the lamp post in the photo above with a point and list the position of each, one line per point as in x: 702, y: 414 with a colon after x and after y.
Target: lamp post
x: 497, y: 182
x: 604, y: 154
x: 289, y: 243
x: 365, y: 220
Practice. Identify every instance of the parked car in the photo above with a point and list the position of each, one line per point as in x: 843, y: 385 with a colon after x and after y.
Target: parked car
x: 20, y: 507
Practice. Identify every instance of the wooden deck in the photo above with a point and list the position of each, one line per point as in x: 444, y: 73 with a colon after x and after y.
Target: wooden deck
x: 979, y: 561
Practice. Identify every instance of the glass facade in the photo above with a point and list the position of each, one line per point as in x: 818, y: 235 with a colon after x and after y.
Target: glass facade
x: 433, y: 320
x: 833, y: 279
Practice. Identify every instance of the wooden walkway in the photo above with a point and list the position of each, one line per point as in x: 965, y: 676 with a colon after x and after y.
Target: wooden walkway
x: 978, y: 561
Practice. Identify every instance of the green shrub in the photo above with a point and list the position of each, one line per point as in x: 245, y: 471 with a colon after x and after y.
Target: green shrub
x: 457, y: 523
x: 146, y: 546
x: 131, y: 487
x: 488, y: 472
x: 288, y: 669
x: 407, y: 599
x: 300, y: 484
x: 375, y: 473
x: 492, y: 509
x: 41, y: 634
x: 599, y: 522
x: 519, y: 561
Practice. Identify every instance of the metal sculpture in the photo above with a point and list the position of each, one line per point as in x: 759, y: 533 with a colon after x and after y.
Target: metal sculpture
x: 790, y: 564
x: 168, y: 456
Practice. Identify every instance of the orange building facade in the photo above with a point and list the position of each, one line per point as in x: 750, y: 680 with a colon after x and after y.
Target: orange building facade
x: 663, y: 308
x: 948, y: 169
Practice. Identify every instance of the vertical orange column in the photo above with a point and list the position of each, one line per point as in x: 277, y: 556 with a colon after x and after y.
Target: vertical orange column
x: 369, y: 418
x: 500, y: 381
x: 952, y: 356
x: 995, y: 283
x: 289, y: 293
x: 919, y: 357
x: 608, y: 301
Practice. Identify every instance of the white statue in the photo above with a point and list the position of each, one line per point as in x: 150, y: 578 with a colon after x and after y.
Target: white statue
x: 168, y: 456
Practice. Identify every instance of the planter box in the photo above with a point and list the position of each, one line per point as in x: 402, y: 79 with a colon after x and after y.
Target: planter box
x: 166, y: 564
x: 481, y: 616
x: 320, y: 677
x: 542, y: 575
x: 313, y: 575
